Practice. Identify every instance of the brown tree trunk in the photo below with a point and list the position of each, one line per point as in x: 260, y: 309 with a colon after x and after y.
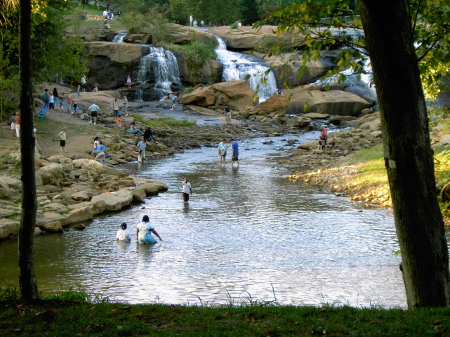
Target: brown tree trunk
x: 407, y: 152
x: 27, y: 277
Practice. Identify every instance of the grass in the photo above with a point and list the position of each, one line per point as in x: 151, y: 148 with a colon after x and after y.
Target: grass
x: 71, y: 314
x: 371, y: 166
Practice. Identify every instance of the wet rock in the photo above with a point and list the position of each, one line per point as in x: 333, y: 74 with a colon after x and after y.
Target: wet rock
x: 114, y: 201
x: 8, y: 228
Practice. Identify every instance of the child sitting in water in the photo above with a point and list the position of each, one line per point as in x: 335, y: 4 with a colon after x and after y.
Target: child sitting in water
x: 123, y: 234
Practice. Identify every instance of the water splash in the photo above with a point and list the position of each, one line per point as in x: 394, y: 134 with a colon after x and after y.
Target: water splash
x: 118, y: 38
x: 237, y: 66
x: 161, y: 67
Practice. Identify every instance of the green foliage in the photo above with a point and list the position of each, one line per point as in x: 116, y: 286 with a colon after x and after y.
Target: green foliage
x: 326, y: 25
x: 213, y: 12
x: 53, y: 54
x: 78, y: 293
x: 8, y: 291
x: 200, y: 49
x: 169, y: 122
x: 234, y: 25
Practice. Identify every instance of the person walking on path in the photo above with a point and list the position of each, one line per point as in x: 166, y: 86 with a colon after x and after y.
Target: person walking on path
x: 186, y: 189
x: 17, y: 124
x: 228, y: 114
x: 62, y: 140
x: 222, y: 149
x: 123, y: 234
x: 174, y: 102
x: 234, y: 153
x: 93, y: 109
x: 144, y: 231
x: 56, y: 98
x: 116, y: 108
x: 125, y: 104
x: 13, y: 126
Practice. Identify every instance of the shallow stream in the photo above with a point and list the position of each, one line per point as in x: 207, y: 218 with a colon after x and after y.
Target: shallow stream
x: 247, y: 234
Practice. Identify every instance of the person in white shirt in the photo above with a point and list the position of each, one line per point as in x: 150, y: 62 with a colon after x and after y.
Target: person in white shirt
x: 123, y: 234
x: 186, y: 189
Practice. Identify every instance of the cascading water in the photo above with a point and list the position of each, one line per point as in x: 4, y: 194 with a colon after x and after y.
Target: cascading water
x: 361, y: 86
x: 161, y: 67
x: 237, y: 66
x: 118, y: 38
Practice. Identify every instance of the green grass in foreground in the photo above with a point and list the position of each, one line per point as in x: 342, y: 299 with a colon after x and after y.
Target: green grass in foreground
x: 70, y: 318
x: 371, y: 165
x: 71, y: 313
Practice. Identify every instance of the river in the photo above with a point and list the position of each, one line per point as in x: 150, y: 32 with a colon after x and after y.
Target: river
x: 247, y: 235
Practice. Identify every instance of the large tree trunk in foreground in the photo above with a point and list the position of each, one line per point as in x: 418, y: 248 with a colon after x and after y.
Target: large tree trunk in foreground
x: 27, y: 277
x: 407, y: 152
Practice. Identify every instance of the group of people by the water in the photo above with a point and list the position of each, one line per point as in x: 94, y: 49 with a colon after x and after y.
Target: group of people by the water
x: 323, y: 140
x: 144, y: 232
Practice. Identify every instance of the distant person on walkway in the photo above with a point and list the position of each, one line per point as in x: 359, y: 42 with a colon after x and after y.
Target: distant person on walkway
x: 174, y: 102
x: 13, y: 126
x: 123, y: 234
x: 93, y: 108
x: 125, y: 104
x: 17, y: 124
x: 228, y: 114
x: 222, y: 149
x: 51, y: 102
x: 142, y: 145
x: 46, y: 97
x: 56, y: 98
x: 69, y: 103
x: 79, y: 90
x: 324, y: 133
x: 129, y: 82
x: 115, y: 107
x: 95, y: 89
x: 62, y: 140
x: 144, y: 231
x: 186, y: 189
x: 234, y: 153
x: 148, y: 135
x: 135, y: 131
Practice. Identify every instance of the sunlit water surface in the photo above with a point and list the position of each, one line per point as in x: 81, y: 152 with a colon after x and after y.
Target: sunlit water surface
x: 247, y: 234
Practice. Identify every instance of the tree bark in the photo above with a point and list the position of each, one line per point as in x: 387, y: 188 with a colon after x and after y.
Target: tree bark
x: 407, y: 152
x: 27, y: 276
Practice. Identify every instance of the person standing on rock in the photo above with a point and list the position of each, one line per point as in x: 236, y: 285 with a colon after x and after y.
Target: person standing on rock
x: 324, y: 134
x: 93, y: 109
x: 125, y: 104
x: 144, y: 231
x: 186, y: 189
x: 116, y: 108
x: 234, y: 153
x: 13, y: 126
x: 69, y: 103
x: 228, y: 114
x: 17, y: 124
x: 56, y: 98
x: 62, y: 140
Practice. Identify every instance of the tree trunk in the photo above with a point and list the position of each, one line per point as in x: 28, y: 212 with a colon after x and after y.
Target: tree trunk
x: 407, y: 152
x: 27, y: 277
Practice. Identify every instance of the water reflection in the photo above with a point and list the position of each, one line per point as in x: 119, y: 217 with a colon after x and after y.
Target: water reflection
x: 245, y: 230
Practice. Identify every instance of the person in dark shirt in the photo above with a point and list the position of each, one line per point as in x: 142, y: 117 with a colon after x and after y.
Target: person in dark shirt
x: 148, y: 134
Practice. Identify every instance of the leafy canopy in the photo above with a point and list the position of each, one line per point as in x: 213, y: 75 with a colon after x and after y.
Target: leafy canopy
x: 325, y: 25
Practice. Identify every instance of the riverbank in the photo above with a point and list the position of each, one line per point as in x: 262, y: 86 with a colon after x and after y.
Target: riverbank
x: 68, y: 318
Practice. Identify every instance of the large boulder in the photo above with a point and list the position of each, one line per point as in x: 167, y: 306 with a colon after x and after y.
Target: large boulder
x: 80, y: 214
x: 332, y: 102
x: 287, y: 71
x: 117, y: 52
x: 97, y: 169
x: 8, y: 227
x: 203, y: 96
x: 275, y: 104
x: 248, y: 38
x: 51, y: 173
x: 115, y: 201
x: 236, y: 94
x: 179, y: 34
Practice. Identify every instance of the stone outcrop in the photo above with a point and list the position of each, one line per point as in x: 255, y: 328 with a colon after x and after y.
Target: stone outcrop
x: 236, y: 94
x: 332, y: 102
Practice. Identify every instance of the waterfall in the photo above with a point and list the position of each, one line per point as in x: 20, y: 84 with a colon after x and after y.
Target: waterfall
x: 161, y: 67
x: 237, y: 66
x: 119, y: 37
